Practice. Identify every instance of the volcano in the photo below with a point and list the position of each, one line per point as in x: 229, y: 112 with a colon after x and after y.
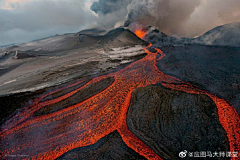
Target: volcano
x: 113, y: 96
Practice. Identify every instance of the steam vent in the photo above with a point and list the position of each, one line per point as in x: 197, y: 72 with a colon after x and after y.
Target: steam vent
x: 142, y: 91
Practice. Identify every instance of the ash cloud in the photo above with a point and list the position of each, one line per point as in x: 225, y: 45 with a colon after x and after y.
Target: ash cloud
x: 109, y: 6
x: 185, y: 18
x: 168, y: 15
x: 111, y: 13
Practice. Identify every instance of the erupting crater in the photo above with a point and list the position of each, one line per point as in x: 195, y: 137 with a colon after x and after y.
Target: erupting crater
x: 48, y: 136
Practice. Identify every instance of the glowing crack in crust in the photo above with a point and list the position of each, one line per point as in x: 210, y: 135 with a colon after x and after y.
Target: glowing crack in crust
x: 51, y: 135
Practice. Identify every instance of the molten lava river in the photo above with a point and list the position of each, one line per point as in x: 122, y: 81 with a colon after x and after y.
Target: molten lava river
x: 51, y: 135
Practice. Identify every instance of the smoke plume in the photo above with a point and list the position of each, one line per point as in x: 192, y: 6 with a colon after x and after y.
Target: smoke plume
x: 185, y: 18
x: 111, y: 13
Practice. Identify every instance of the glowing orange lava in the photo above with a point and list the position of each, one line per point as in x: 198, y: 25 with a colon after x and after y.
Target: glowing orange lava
x: 140, y: 33
x: 51, y: 135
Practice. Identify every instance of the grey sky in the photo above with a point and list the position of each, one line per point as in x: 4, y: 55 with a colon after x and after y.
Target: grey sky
x: 22, y: 21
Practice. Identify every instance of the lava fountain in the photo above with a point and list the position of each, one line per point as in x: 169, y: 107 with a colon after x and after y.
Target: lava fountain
x: 51, y: 135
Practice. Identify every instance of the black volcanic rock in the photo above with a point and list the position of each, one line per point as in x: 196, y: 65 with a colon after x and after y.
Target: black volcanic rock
x: 11, y: 104
x: 170, y: 121
x: 213, y: 68
x: 156, y: 33
x: 225, y: 35
x: 159, y: 39
x: 108, y: 148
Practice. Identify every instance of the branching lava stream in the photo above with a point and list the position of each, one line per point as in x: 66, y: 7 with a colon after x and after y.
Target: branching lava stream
x: 51, y: 135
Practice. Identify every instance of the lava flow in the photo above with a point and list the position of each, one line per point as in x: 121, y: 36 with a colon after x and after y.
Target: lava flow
x: 140, y: 33
x: 51, y: 135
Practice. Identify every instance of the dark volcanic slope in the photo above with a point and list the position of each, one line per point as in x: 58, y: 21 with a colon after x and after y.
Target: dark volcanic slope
x: 108, y: 148
x: 78, y: 97
x: 13, y: 103
x: 171, y: 121
x: 215, y: 69
x: 158, y: 39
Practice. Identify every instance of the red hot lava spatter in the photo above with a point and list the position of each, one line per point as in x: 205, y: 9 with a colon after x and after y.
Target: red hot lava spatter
x: 51, y: 135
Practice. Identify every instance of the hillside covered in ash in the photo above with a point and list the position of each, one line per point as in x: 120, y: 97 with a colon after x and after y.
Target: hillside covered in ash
x: 47, y: 62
